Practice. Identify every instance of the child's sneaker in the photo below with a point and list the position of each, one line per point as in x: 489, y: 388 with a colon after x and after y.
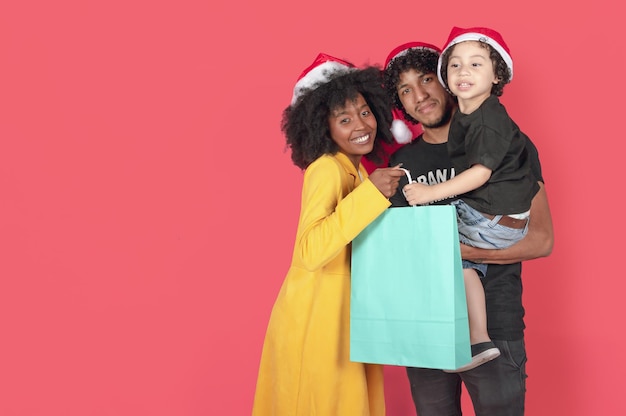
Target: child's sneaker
x: 481, y: 353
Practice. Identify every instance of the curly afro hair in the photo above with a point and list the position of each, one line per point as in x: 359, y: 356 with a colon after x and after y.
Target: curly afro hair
x: 421, y: 60
x: 501, y: 69
x: 305, y: 123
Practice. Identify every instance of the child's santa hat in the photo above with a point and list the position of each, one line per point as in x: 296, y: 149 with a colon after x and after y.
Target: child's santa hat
x: 318, y: 73
x: 480, y: 34
x: 399, y: 128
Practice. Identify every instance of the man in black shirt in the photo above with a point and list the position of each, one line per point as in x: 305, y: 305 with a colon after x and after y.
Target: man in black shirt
x: 499, y: 386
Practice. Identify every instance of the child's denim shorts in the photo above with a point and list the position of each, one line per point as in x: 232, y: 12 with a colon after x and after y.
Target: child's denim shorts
x: 478, y: 231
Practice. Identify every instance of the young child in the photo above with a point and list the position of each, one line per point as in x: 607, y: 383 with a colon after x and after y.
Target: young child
x: 488, y: 151
x: 338, y: 115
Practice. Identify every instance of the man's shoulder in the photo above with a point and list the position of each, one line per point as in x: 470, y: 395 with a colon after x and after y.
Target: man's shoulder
x: 409, y: 148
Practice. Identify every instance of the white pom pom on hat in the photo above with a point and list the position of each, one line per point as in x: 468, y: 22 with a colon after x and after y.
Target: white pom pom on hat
x: 481, y: 34
x: 399, y: 127
x: 318, y: 73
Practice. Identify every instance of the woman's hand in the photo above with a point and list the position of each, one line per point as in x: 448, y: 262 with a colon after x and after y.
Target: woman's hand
x: 387, y: 180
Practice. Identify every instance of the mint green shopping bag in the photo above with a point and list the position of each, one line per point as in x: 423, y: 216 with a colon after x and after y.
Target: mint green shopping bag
x: 408, y: 302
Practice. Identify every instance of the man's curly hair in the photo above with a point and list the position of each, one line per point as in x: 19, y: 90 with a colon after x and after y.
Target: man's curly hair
x: 305, y: 123
x: 501, y: 69
x: 420, y: 59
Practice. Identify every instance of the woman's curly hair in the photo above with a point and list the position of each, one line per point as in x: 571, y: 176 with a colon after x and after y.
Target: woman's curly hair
x: 421, y: 60
x: 501, y: 69
x: 305, y: 123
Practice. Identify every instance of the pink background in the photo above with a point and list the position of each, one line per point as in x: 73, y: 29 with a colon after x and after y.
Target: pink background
x: 148, y: 208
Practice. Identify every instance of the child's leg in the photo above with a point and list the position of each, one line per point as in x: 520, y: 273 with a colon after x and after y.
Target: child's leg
x: 476, y: 309
x: 483, y: 350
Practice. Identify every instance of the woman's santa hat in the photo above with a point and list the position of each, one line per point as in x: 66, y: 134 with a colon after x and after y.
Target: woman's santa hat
x: 399, y: 128
x: 318, y: 73
x: 480, y: 34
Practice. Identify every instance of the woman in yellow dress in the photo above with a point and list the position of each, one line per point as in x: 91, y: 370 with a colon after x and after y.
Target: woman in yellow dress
x: 338, y: 115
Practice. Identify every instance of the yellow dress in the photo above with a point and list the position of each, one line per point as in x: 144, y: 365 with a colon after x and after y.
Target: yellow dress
x: 305, y: 365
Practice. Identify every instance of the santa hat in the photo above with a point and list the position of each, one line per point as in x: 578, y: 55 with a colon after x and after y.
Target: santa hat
x: 405, y: 48
x: 481, y: 34
x: 399, y: 128
x: 319, y: 72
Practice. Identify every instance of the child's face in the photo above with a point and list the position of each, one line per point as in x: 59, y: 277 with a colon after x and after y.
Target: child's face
x: 353, y: 127
x: 470, y: 74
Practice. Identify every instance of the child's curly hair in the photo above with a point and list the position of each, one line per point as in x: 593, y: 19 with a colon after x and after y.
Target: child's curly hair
x: 421, y: 60
x: 501, y: 69
x: 305, y: 123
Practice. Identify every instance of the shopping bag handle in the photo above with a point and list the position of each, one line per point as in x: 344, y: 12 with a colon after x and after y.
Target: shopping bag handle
x: 408, y: 176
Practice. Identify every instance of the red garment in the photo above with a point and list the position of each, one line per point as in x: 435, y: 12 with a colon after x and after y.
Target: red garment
x: 390, y: 149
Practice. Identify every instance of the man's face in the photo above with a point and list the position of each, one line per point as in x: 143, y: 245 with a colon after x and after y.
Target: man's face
x: 424, y: 98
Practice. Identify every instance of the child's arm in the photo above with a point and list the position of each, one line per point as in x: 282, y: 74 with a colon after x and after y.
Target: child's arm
x: 537, y: 243
x: 466, y: 181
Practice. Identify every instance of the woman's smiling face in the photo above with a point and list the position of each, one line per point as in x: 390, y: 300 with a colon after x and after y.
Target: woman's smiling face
x: 353, y: 127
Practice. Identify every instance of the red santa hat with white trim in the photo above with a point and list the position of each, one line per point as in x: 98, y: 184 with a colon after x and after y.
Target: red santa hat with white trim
x: 480, y: 34
x: 319, y: 72
x: 399, y: 128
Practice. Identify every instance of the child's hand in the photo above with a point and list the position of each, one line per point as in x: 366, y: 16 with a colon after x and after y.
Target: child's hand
x: 417, y: 194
